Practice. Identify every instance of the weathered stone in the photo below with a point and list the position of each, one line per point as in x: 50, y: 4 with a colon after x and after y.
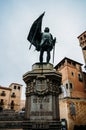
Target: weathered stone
x: 42, y: 90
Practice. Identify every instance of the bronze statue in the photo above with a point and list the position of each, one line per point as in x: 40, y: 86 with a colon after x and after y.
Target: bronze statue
x: 43, y: 41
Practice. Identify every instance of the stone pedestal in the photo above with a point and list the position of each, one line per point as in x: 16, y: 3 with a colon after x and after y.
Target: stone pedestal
x: 42, y: 104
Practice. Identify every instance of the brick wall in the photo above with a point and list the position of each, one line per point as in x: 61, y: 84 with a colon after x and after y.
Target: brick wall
x: 77, y: 118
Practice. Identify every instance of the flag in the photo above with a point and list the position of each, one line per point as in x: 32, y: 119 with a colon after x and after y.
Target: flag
x: 34, y: 36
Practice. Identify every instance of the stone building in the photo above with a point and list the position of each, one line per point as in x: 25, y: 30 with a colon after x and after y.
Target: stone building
x: 73, y: 98
x: 10, y: 98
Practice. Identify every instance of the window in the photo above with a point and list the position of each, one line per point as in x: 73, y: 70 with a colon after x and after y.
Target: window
x: 13, y: 95
x: 66, y: 86
x: 73, y: 63
x: 72, y: 109
x: 72, y: 73
x: 81, y: 38
x: 1, y: 102
x: 71, y: 86
x: 12, y: 105
x: 3, y: 93
x: 18, y: 87
x: 84, y: 36
x: 69, y: 62
x: 12, y: 102
x: 80, y: 78
x: 14, y: 87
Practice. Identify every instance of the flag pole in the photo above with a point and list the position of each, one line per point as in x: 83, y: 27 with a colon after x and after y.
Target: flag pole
x: 53, y: 53
x: 54, y: 41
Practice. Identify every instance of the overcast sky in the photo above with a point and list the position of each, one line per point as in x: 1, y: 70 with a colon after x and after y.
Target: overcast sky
x: 66, y: 20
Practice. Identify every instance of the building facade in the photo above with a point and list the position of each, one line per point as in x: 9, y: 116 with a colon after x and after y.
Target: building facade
x: 82, y: 41
x: 10, y: 98
x: 73, y: 97
x: 74, y: 111
x: 73, y: 79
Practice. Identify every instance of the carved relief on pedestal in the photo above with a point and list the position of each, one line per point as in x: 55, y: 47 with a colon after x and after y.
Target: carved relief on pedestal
x: 55, y: 88
x: 30, y: 87
x: 42, y: 86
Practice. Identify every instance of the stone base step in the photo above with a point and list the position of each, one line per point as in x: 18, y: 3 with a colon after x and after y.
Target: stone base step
x: 54, y: 125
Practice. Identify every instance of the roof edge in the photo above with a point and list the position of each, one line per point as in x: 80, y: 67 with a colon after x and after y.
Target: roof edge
x: 67, y: 59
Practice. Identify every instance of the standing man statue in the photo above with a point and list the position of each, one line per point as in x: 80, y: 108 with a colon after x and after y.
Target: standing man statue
x: 46, y: 44
x: 42, y: 41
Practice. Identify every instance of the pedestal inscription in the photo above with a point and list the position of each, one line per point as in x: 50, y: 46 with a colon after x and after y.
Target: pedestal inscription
x: 41, y: 107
